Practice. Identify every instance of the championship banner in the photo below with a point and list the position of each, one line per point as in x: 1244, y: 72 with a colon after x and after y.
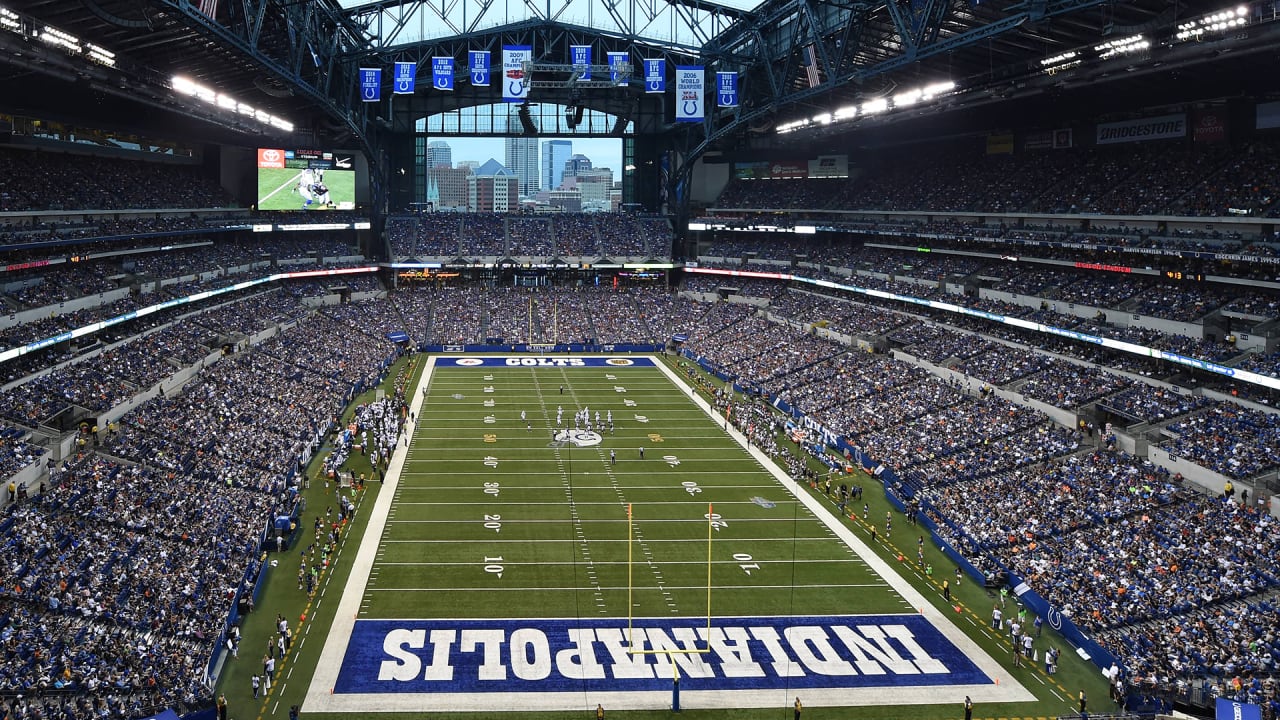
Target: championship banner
x: 478, y: 62
x: 616, y: 61
x: 655, y: 76
x: 514, y: 57
x: 580, y: 58
x: 370, y: 84
x: 442, y: 73
x: 727, y: 89
x: 1153, y: 128
x: 405, y: 73
x: 689, y: 88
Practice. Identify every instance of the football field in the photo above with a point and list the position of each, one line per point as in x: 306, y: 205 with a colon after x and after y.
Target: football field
x: 276, y: 188
x: 519, y: 560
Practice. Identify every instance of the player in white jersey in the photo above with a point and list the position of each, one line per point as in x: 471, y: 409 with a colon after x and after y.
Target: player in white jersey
x: 312, y: 188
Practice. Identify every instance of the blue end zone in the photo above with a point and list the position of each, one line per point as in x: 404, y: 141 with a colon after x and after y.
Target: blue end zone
x: 494, y: 656
x: 558, y: 362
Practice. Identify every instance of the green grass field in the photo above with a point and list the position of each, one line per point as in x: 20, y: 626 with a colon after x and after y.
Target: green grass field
x: 557, y: 516
x: 491, y: 521
x: 276, y: 188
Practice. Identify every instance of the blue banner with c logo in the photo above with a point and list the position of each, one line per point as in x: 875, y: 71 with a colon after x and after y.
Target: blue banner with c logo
x: 727, y: 89
x: 617, y: 63
x: 478, y: 61
x: 405, y: 74
x: 580, y: 58
x: 370, y: 84
x: 655, y: 76
x: 442, y: 73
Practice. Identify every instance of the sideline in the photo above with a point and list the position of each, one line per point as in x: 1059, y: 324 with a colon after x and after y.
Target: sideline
x: 339, y: 634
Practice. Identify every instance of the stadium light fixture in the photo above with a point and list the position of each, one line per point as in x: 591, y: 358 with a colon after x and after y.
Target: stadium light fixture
x: 911, y: 97
x: 929, y: 92
x: 9, y: 20
x: 54, y: 36
x: 871, y: 107
x: 1219, y: 22
x: 1060, y: 62
x: 792, y: 126
x: 185, y: 86
x: 1123, y: 46
x: 100, y: 55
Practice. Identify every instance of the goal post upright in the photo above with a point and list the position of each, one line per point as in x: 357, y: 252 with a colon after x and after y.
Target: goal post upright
x: 631, y: 589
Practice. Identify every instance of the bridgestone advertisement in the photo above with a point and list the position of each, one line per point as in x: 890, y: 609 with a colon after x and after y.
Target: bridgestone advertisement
x: 1155, y: 128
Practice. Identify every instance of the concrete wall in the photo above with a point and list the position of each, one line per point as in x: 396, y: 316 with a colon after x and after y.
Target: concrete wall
x: 748, y: 300
x: 80, y: 303
x: 28, y: 476
x: 1202, y: 477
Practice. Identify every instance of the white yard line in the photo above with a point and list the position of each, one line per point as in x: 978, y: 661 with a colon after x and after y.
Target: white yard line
x: 286, y: 184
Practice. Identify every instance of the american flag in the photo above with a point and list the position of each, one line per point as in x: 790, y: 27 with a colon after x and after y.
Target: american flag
x: 810, y: 61
x: 208, y: 8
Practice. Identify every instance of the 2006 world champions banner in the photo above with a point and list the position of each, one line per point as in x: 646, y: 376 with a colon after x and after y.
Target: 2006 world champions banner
x: 689, y: 89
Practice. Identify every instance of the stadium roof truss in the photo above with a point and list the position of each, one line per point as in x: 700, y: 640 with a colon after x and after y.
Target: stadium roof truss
x: 683, y: 26
x: 793, y: 56
x: 790, y: 53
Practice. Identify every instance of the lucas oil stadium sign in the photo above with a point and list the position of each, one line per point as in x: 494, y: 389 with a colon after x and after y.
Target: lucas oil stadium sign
x: 506, y: 656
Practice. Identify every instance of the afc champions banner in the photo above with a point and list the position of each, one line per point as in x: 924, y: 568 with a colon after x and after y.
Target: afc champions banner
x: 655, y: 76
x: 514, y: 87
x: 689, y: 88
x: 405, y: 72
x: 727, y: 89
x: 617, y: 67
x: 442, y: 73
x: 580, y: 59
x: 478, y: 62
x: 370, y: 84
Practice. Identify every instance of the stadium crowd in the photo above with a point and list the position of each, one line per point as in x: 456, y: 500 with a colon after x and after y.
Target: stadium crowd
x: 121, y: 574
x: 44, y: 180
x: 1153, y: 178
x: 585, y: 235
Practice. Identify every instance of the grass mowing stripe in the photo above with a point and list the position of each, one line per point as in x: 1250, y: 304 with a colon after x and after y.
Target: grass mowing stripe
x: 699, y: 563
x: 826, y: 586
